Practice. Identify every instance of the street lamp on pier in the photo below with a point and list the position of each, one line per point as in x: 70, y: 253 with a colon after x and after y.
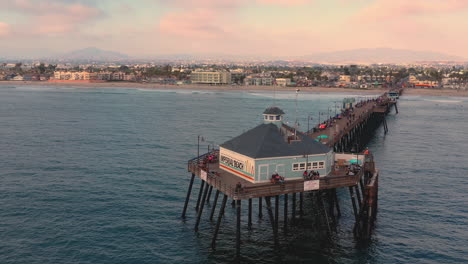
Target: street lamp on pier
x: 308, y: 123
x: 200, y: 138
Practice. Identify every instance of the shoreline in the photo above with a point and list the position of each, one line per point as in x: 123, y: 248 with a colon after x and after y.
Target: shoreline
x: 151, y: 86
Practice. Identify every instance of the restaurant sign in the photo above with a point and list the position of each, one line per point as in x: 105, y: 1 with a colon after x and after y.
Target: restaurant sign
x: 232, y: 162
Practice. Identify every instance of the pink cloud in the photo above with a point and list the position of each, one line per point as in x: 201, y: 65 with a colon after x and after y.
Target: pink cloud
x: 213, y: 4
x: 198, y: 23
x: 4, y: 29
x: 393, y: 9
x: 209, y: 18
x: 284, y: 2
x: 52, y: 17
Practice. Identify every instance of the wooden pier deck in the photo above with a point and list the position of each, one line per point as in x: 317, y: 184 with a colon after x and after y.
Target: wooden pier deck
x: 338, y: 128
x: 226, y: 182
x: 355, y: 128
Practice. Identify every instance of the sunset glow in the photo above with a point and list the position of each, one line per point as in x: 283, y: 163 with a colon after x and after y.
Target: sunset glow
x: 261, y: 27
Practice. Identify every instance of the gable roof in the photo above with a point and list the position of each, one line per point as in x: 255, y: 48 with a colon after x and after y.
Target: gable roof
x: 266, y: 141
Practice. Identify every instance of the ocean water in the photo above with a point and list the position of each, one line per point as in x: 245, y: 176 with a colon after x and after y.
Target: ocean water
x: 99, y: 176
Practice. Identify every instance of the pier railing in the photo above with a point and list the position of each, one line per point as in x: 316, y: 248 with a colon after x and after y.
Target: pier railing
x: 213, y: 177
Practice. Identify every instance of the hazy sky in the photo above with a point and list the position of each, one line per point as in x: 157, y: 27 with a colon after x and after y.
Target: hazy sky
x: 265, y: 27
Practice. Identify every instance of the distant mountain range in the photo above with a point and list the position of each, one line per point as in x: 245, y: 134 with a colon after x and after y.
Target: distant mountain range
x: 91, y: 55
x: 355, y: 56
x: 379, y: 55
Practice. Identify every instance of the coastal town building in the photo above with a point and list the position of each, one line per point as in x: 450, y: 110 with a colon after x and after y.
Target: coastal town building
x: 259, y: 79
x: 211, y: 77
x: 69, y: 76
x: 93, y: 76
x: 345, y: 78
x: 283, y: 81
x: 273, y: 147
x: 422, y: 81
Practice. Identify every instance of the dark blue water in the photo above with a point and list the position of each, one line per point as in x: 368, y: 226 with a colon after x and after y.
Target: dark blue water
x: 99, y: 176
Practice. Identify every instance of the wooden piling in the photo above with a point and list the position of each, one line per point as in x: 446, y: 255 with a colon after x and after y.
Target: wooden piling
x: 260, y: 208
x: 301, y: 201
x: 250, y: 214
x: 285, y: 213
x: 276, y: 212
x: 324, y: 209
x: 353, y: 201
x: 272, y: 219
x: 293, y: 207
x: 337, y: 204
x: 214, y: 205
x: 238, y: 229
x: 200, y: 195
x: 200, y: 211
x: 358, y: 195
x: 218, y: 223
x: 209, y: 195
x: 188, y: 195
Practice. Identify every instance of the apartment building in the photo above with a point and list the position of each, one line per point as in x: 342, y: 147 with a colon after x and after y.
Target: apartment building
x: 211, y: 77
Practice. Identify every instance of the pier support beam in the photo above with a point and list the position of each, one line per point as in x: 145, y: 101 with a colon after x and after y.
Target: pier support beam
x: 200, y: 211
x: 324, y: 209
x: 331, y: 205
x: 285, y: 213
x: 260, y: 208
x: 337, y: 203
x: 209, y: 195
x: 293, y: 207
x: 301, y: 201
x: 199, y: 195
x: 214, y: 205
x: 238, y: 229
x: 276, y: 212
x: 272, y: 219
x: 358, y: 195
x: 353, y: 201
x: 220, y: 216
x: 250, y: 214
x: 188, y: 195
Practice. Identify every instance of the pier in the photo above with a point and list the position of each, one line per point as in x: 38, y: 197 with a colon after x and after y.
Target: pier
x: 333, y: 151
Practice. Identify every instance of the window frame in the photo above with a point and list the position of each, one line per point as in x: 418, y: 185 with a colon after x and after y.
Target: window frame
x: 311, y: 165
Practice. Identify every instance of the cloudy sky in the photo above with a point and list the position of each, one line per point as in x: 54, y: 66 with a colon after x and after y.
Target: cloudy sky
x: 264, y: 27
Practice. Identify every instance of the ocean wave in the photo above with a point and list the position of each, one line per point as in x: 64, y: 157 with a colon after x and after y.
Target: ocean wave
x: 444, y: 101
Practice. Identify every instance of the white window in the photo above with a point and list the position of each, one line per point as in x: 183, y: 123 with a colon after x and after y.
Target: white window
x: 321, y: 165
x: 266, y: 117
x: 299, y: 166
x: 302, y: 166
x: 278, y: 117
x: 317, y: 165
x: 272, y: 118
x: 295, y: 167
x: 309, y: 165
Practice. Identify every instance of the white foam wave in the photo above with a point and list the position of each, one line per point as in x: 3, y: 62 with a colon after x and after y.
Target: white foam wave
x: 444, y: 101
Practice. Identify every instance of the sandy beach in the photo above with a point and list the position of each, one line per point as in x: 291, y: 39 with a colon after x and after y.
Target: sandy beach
x: 130, y: 85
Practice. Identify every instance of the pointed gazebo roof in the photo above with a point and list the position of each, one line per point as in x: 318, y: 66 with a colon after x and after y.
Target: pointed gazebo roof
x: 273, y: 111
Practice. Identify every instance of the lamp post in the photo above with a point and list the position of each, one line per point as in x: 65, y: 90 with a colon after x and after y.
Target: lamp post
x: 308, y: 123
x: 198, y: 149
x: 335, y: 106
